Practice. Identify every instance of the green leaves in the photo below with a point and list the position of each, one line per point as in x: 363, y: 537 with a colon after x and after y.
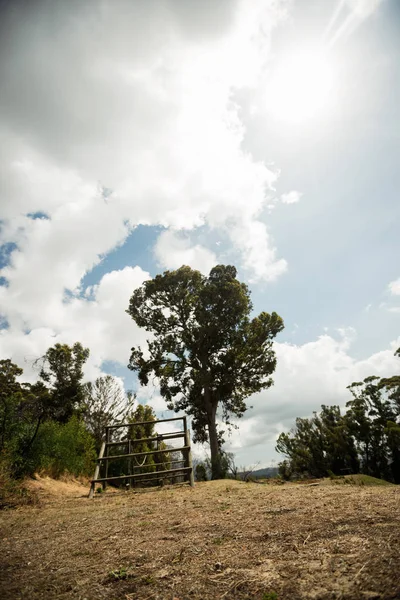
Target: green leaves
x: 62, y: 369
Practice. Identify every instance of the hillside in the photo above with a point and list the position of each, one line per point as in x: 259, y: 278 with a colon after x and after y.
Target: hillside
x: 220, y: 540
x: 266, y: 472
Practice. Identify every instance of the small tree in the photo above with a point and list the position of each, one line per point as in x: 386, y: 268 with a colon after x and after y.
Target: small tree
x: 205, y: 350
x: 61, y: 368
x: 105, y: 403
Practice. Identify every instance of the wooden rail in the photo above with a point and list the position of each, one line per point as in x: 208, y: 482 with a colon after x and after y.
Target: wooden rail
x: 104, y: 456
x: 144, y: 423
x: 137, y: 454
x: 157, y: 438
x: 140, y: 475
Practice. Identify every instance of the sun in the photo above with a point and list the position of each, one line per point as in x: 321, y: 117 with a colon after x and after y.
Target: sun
x: 301, y: 87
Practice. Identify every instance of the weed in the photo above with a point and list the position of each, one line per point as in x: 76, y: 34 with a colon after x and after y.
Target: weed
x: 119, y: 574
x: 217, y: 541
x: 270, y: 596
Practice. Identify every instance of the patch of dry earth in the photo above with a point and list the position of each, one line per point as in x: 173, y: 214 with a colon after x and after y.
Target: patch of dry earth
x: 220, y: 540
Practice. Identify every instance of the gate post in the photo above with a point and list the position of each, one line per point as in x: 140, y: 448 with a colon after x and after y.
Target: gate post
x: 188, y: 457
x: 106, y: 461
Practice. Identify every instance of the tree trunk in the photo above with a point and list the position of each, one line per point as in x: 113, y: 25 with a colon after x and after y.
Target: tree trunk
x: 29, y: 445
x: 216, y: 471
x: 211, y: 409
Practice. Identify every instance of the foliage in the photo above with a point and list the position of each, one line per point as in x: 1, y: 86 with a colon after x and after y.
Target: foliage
x: 365, y: 439
x: 105, y: 403
x: 23, y: 408
x: 10, y: 398
x: 270, y: 596
x: 64, y: 448
x: 119, y: 574
x: 61, y: 368
x: 362, y: 480
x: 317, y: 445
x: 200, y: 472
x: 143, y: 427
x: 205, y: 350
x: 285, y: 470
x: 34, y: 432
x: 12, y: 492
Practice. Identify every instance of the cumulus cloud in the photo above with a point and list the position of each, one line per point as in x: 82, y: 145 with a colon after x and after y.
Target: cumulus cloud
x: 173, y: 250
x: 291, y: 197
x: 393, y: 290
x: 394, y: 287
x: 97, y: 319
x: 116, y: 114
x: 259, y: 255
x: 118, y: 93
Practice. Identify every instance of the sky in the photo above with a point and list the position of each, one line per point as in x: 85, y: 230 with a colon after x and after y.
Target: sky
x: 137, y: 136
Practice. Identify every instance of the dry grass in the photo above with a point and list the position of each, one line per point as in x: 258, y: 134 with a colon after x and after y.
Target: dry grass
x: 221, y: 540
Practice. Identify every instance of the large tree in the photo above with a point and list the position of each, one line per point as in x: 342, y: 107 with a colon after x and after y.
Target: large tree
x: 205, y: 350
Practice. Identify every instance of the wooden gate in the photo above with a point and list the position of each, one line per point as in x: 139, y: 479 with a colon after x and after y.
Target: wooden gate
x: 184, y: 468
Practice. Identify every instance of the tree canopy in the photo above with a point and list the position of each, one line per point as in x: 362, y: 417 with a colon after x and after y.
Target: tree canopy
x: 205, y: 350
x: 62, y: 370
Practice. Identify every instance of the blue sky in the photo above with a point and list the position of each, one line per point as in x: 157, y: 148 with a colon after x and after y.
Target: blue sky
x: 139, y: 137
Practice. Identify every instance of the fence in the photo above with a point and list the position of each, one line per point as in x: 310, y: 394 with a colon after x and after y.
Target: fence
x: 184, y: 468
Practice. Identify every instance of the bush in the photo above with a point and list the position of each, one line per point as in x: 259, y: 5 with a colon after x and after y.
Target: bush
x: 12, y: 492
x: 60, y: 449
x: 285, y: 470
x: 201, y: 472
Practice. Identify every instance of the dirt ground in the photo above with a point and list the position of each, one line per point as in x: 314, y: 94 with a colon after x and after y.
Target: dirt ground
x: 220, y: 540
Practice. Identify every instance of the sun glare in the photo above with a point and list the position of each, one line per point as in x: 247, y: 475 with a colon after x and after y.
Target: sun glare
x: 300, y: 88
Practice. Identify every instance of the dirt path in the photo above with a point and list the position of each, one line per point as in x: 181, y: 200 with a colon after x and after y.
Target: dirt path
x: 221, y: 540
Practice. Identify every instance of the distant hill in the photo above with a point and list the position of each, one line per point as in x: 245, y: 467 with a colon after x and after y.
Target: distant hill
x: 265, y: 473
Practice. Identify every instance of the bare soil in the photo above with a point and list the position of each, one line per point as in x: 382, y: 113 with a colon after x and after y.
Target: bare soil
x: 220, y: 540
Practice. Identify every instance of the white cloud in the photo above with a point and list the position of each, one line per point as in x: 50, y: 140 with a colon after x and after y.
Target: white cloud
x: 394, y: 287
x: 173, y: 250
x: 98, y: 322
x: 259, y: 256
x: 125, y: 100
x: 291, y: 197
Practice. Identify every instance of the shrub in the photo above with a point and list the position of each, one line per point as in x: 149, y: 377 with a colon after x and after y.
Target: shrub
x: 64, y: 448
x: 12, y: 492
x: 201, y: 472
